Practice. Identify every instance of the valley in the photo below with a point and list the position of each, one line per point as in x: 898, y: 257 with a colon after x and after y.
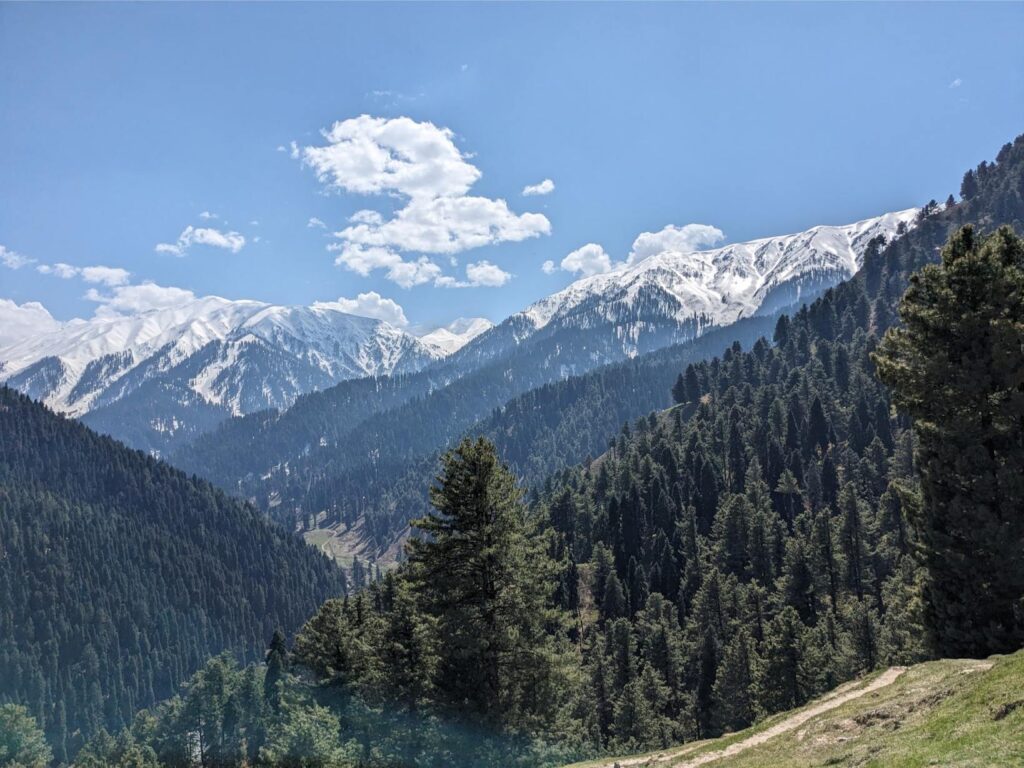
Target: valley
x: 420, y: 385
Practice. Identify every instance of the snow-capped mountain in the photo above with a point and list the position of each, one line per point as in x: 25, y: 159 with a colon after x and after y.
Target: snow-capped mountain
x: 675, y: 296
x: 456, y: 335
x: 210, y: 354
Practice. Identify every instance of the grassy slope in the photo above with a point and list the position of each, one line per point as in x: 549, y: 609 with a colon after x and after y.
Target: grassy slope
x: 943, y: 713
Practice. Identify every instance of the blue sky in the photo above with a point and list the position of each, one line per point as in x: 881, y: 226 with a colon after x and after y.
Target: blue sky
x: 120, y: 124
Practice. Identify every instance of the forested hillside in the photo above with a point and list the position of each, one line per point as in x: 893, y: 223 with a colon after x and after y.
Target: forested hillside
x: 120, y: 576
x: 770, y: 536
x: 749, y: 548
x: 325, y: 452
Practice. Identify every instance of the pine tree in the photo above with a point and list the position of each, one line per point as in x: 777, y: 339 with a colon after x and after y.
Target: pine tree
x: 778, y: 674
x: 277, y: 664
x: 21, y: 741
x: 733, y: 706
x: 489, y: 585
x: 956, y: 367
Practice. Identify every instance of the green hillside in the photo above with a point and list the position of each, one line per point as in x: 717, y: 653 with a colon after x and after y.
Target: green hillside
x: 120, y: 576
x: 953, y: 712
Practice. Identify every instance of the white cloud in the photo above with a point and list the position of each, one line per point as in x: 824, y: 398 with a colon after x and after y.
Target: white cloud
x: 366, y: 216
x: 956, y: 83
x: 282, y: 148
x: 591, y: 259
x: 60, y: 269
x: 109, y: 276
x: 13, y: 260
x: 685, y: 239
x: 230, y: 241
x: 485, y: 273
x: 363, y: 260
x: 548, y: 267
x: 374, y: 155
x: 546, y: 187
x: 132, y: 299
x: 420, y: 164
x: 448, y: 225
x: 105, y: 275
x: 24, y: 321
x: 207, y: 215
x: 370, y: 304
x: 409, y: 273
x: 314, y: 222
x: 254, y: 223
x: 478, y: 274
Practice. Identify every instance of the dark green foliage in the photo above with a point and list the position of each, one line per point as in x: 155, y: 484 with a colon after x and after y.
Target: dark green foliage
x: 737, y: 554
x: 956, y: 365
x: 489, y: 587
x: 782, y: 493
x: 119, y: 576
x: 22, y: 744
x: 369, y: 448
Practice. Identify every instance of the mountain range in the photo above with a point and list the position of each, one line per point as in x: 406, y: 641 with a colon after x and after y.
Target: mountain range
x: 159, y: 379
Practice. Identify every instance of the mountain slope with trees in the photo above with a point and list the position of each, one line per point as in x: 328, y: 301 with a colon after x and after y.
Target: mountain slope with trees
x: 737, y: 555
x: 120, y: 576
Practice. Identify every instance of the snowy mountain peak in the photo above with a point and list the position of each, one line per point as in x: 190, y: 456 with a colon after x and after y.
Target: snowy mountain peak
x: 456, y: 334
x: 721, y: 285
x: 238, y: 355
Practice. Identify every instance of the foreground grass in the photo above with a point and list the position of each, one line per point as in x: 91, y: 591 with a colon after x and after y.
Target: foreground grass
x: 952, y: 712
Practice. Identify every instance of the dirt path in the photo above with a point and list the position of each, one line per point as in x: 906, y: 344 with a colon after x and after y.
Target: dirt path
x: 836, y: 699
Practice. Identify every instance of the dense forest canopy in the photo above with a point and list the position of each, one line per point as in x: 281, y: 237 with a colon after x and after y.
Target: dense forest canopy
x: 772, y: 534
x: 120, y: 576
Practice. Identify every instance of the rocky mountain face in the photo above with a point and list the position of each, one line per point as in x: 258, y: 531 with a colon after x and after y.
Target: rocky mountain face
x: 674, y: 296
x: 170, y: 373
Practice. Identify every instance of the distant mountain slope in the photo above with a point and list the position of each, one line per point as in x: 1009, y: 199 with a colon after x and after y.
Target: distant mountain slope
x: 317, y: 454
x: 162, y: 376
x: 119, y: 575
x: 674, y: 296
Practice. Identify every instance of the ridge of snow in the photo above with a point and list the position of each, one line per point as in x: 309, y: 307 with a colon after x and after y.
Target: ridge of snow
x: 338, y: 344
x: 731, y: 281
x: 456, y: 334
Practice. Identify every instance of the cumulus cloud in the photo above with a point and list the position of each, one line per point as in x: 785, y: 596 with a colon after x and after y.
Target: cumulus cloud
x: 370, y: 304
x: 207, y: 215
x: 12, y: 259
x: 315, y: 223
x: 591, y: 259
x: 419, y: 164
x: 109, y: 276
x: 24, y: 321
x: 447, y: 225
x: 478, y: 274
x: 485, y: 273
x: 229, y: 241
x: 685, y: 239
x: 956, y: 83
x: 545, y: 187
x: 105, y: 275
x: 366, y: 216
x: 374, y: 155
x: 365, y: 259
x: 133, y: 299
x: 60, y: 269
